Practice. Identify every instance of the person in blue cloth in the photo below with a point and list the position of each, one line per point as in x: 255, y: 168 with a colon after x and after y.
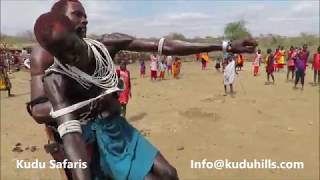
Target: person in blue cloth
x: 95, y: 132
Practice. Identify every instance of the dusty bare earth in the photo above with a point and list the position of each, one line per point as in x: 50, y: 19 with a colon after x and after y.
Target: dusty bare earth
x: 190, y: 119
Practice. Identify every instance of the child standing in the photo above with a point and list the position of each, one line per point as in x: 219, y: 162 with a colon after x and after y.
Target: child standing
x: 240, y: 61
x: 256, y: 62
x: 281, y: 58
x: 162, y: 69
x: 204, y: 60
x: 276, y: 58
x: 218, y: 64
x: 142, y: 67
x: 126, y: 93
x: 176, y: 67
x: 316, y: 66
x: 305, y: 56
x: 153, y: 66
x: 5, y: 83
x: 290, y: 62
x: 229, y: 74
x: 179, y: 65
x: 299, y: 64
x: 169, y: 64
x: 270, y: 65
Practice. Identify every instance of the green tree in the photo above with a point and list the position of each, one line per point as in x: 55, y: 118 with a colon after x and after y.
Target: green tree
x: 309, y: 39
x: 236, y: 30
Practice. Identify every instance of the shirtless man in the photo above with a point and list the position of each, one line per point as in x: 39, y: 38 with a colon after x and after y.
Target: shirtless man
x: 42, y: 59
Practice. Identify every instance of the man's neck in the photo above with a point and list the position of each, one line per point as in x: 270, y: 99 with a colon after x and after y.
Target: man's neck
x: 90, y: 66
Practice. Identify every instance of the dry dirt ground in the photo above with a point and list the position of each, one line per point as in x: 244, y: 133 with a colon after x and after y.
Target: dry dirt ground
x: 190, y: 119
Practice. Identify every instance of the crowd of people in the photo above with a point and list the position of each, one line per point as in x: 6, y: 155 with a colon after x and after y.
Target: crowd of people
x: 12, y: 61
x: 295, y: 60
x: 160, y: 66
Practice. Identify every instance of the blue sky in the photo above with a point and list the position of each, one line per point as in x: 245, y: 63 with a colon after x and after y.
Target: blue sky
x: 202, y: 18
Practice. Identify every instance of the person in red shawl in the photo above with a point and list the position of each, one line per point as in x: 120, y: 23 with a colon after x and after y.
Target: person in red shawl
x: 198, y: 56
x: 276, y: 59
x: 124, y: 74
x: 256, y: 61
x: 5, y: 83
x: 305, y: 56
x: 316, y: 66
x: 290, y: 62
x: 204, y: 60
x: 240, y: 61
x: 269, y: 68
x: 281, y: 55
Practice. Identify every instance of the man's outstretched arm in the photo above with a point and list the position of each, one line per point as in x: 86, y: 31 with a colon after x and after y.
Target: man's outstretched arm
x: 172, y: 47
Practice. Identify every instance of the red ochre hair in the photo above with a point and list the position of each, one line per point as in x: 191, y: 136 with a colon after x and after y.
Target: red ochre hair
x: 51, y: 28
x: 60, y: 6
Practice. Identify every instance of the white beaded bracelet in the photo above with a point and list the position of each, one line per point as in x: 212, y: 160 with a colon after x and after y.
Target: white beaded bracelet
x: 69, y: 127
x: 160, y: 46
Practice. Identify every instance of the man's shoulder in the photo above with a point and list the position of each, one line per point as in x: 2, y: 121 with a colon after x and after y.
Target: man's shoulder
x: 41, y: 59
x: 57, y: 80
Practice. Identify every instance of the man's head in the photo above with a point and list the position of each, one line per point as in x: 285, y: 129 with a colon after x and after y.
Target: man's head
x: 55, y: 33
x: 231, y: 57
x: 259, y: 51
x: 305, y: 47
x: 291, y: 48
x: 269, y: 51
x: 123, y: 66
x: 142, y: 57
x: 74, y: 10
x: 299, y: 55
x: 51, y: 29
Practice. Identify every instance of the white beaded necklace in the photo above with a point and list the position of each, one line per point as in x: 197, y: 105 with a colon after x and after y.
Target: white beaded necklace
x: 104, y: 76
